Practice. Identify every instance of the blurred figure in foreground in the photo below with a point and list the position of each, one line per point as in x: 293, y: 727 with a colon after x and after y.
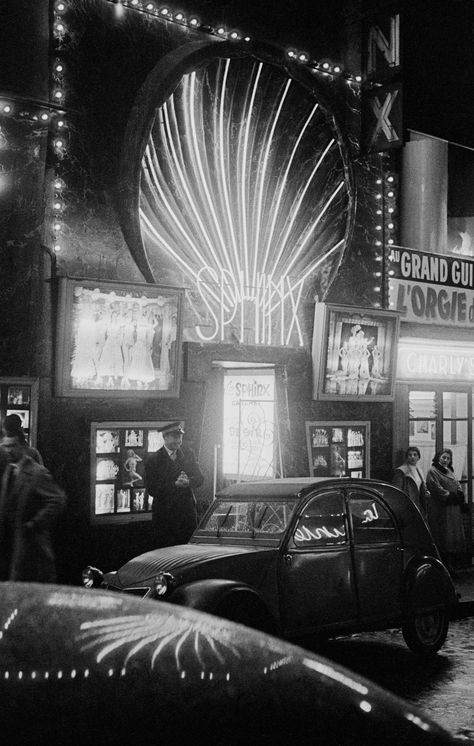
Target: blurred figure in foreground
x: 30, y: 503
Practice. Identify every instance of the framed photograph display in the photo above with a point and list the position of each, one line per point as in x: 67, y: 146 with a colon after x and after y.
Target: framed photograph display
x: 20, y: 396
x: 118, y: 338
x: 338, y: 449
x: 354, y: 353
x: 118, y: 454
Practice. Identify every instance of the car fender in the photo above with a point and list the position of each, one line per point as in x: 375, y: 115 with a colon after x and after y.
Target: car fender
x: 427, y: 585
x: 228, y: 598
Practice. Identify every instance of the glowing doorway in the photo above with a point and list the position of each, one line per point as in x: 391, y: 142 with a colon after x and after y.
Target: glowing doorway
x: 250, y: 447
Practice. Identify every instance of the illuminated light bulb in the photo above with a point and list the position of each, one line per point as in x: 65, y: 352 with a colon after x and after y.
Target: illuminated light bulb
x: 60, y: 123
x: 56, y: 248
x: 44, y: 116
x: 378, y: 258
x: 57, y: 206
x: 378, y: 243
x: 390, y: 179
x: 194, y: 22
x: 149, y: 6
x: 59, y: 67
x: 234, y: 35
x: 59, y: 144
x: 391, y: 210
x: 220, y: 30
x: 379, y: 181
x: 7, y: 109
x: 358, y: 78
x: 179, y: 17
x: 303, y: 57
x: 390, y: 194
x: 390, y: 241
x: 60, y: 28
x: 391, y: 272
x: 377, y: 274
x: 58, y: 95
x: 134, y: 2
x: 325, y: 65
x: 376, y: 305
x: 58, y: 184
x: 378, y: 196
x: 291, y: 53
x: 378, y: 212
x: 56, y: 227
x: 247, y: 38
x: 378, y: 227
x: 391, y: 226
x: 60, y: 7
x: 164, y: 11
x: 337, y: 69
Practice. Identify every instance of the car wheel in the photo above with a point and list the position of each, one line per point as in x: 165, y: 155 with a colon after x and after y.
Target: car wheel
x: 425, y: 633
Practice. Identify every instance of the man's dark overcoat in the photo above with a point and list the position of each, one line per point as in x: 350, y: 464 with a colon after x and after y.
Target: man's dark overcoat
x: 28, y: 512
x: 174, y: 512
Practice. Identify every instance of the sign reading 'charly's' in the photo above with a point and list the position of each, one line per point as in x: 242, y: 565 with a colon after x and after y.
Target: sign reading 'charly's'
x: 432, y: 288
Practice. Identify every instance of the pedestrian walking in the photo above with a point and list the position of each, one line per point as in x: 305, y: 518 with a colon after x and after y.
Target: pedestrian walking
x: 171, y: 474
x: 409, y: 478
x: 12, y: 428
x: 444, y: 509
x: 30, y: 503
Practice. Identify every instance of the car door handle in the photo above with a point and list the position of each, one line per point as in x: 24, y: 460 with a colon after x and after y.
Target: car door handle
x: 287, y: 559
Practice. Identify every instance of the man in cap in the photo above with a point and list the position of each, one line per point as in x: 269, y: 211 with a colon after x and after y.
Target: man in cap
x: 171, y: 473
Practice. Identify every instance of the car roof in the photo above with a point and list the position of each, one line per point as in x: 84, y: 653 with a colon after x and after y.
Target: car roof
x: 289, y: 486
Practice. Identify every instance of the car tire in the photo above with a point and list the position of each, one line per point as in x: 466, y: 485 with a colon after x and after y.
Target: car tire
x: 425, y: 633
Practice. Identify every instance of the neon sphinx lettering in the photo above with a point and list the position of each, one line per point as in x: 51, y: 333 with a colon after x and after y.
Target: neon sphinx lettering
x: 268, y: 306
x: 317, y: 534
x: 370, y: 514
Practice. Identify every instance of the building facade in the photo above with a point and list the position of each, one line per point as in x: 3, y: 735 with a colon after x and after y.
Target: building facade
x: 206, y: 225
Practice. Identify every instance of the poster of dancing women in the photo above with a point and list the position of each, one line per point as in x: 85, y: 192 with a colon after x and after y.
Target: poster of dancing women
x: 118, y: 338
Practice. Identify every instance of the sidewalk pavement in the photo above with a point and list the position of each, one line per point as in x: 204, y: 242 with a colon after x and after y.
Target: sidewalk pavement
x: 464, y: 583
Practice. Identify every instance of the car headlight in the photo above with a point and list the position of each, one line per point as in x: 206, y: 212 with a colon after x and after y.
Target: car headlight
x: 92, y: 577
x: 163, y: 583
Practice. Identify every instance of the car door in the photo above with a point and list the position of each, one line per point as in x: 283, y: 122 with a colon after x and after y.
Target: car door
x: 378, y: 555
x: 315, y: 575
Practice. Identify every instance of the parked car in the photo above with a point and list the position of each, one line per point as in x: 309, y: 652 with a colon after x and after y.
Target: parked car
x: 88, y: 668
x: 306, y: 556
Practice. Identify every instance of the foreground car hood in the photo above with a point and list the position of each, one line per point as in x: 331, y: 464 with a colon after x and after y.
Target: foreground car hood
x: 121, y: 671
x: 177, y: 559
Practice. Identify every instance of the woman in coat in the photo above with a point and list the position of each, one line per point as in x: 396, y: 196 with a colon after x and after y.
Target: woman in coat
x: 444, y: 508
x: 409, y: 478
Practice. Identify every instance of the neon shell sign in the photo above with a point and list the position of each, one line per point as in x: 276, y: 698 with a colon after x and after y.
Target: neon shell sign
x: 244, y: 198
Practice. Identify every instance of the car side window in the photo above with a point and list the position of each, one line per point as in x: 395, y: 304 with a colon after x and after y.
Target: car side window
x: 322, y: 522
x: 371, y: 522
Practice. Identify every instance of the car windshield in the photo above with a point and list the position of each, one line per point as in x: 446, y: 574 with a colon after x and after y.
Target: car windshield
x: 248, y: 518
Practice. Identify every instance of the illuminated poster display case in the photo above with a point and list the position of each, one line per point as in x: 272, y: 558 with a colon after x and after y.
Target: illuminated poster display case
x: 121, y: 339
x: 354, y: 353
x: 338, y: 449
x: 20, y: 396
x: 118, y: 454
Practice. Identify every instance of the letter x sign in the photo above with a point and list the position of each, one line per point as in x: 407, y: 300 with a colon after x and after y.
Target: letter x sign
x: 382, y: 115
x: 385, y: 105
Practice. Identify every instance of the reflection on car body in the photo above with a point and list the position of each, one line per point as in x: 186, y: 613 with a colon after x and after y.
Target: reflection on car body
x: 103, y: 668
x: 304, y: 556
